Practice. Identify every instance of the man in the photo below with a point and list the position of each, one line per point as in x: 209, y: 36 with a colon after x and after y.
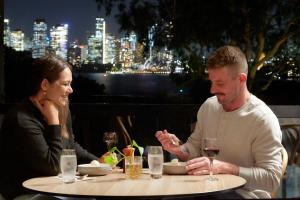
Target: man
x: 248, y: 132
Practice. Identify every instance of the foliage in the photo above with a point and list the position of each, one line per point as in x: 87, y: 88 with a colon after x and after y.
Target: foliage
x: 193, y: 28
x: 16, y: 67
x: 282, y: 67
x: 113, y: 160
x: 129, y: 150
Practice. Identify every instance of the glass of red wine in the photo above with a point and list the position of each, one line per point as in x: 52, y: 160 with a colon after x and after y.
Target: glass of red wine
x: 211, y: 150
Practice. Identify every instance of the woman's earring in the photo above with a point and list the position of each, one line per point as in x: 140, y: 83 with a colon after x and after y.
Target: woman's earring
x: 44, y: 93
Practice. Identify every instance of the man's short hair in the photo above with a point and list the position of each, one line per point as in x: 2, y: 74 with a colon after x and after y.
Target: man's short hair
x: 229, y: 56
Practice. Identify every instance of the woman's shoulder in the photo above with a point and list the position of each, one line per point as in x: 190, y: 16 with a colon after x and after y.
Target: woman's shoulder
x: 21, y: 112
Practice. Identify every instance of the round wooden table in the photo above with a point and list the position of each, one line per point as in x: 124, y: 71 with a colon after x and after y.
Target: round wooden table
x: 116, y: 185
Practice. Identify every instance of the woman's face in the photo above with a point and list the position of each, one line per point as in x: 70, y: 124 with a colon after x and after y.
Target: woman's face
x: 59, y: 90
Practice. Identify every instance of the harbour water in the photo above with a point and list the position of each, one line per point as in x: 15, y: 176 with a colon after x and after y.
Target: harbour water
x: 134, y: 84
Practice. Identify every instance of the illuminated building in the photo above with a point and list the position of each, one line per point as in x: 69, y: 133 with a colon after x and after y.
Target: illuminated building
x: 96, y: 43
x: 151, y: 33
x: 110, y: 49
x: 117, y: 52
x: 139, y: 54
x: 128, y: 50
x: 160, y: 58
x: 74, y: 54
x: 136, y: 48
x: 59, y: 40
x: 84, y: 54
x: 7, y: 33
x: 132, y: 41
x: 17, y: 40
x: 39, y: 42
x: 27, y: 44
x: 93, y: 56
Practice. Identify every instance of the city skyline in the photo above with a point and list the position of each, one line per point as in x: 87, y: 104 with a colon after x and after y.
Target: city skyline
x: 123, y: 54
x: 79, y: 15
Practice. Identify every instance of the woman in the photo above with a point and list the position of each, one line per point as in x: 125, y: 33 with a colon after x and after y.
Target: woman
x: 35, y: 132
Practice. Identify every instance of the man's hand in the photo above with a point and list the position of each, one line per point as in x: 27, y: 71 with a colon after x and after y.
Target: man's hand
x: 169, y: 141
x: 200, y: 166
x: 172, y: 144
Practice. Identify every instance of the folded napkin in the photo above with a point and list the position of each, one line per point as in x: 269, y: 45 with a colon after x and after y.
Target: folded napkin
x: 77, y: 177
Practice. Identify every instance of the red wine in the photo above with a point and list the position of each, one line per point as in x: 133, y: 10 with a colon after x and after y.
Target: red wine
x: 211, y: 152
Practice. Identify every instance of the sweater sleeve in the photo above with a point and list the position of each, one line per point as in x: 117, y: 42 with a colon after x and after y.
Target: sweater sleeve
x: 266, y: 172
x: 194, y: 142
x: 39, y: 144
x: 83, y: 156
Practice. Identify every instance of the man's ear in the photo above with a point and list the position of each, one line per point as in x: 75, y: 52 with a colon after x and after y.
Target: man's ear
x: 243, y: 77
x: 45, y: 84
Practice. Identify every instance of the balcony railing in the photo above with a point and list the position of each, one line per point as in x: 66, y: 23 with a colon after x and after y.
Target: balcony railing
x: 91, y: 120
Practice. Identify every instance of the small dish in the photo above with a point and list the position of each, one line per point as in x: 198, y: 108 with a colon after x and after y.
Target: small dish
x: 93, y: 170
x: 174, y: 168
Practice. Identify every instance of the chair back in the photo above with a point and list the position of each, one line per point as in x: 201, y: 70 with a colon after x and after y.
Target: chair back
x: 284, y: 155
x: 284, y: 164
x: 291, y: 141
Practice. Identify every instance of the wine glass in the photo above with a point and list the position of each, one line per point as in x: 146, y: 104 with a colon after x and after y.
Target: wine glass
x: 110, y: 138
x: 211, y: 150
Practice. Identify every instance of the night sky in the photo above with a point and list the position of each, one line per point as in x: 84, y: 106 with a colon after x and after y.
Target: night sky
x: 79, y: 14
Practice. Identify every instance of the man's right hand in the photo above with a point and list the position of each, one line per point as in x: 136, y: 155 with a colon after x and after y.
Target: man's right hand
x: 168, y: 141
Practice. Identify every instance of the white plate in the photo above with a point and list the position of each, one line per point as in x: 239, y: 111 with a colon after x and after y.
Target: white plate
x: 174, y: 168
x: 93, y: 170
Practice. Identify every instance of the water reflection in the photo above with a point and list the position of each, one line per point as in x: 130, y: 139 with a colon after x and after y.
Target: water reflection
x: 134, y: 84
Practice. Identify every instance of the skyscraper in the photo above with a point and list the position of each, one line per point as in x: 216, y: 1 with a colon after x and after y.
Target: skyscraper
x: 17, y: 40
x: 100, y: 37
x: 59, y: 40
x: 74, y: 54
x: 133, y: 41
x: 39, y: 42
x: 96, y: 43
x: 128, y: 48
x: 83, y: 53
x: 110, y: 49
x: 7, y: 33
x: 27, y: 44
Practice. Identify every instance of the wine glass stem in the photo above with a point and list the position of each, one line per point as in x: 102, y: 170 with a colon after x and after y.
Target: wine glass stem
x: 211, y: 168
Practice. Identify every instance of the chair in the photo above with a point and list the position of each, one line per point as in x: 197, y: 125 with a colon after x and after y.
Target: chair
x: 291, y: 142
x: 125, y: 124
x: 284, y: 163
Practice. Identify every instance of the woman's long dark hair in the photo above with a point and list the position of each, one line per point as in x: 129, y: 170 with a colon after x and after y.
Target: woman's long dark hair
x: 49, y: 67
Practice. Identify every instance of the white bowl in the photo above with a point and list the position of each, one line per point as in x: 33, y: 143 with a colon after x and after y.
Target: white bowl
x: 93, y: 170
x: 174, y: 168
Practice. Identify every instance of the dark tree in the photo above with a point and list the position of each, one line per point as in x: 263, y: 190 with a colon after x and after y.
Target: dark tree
x: 16, y: 68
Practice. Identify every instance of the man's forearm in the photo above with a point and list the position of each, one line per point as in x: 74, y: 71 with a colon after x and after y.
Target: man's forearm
x: 182, y: 153
x: 226, y: 168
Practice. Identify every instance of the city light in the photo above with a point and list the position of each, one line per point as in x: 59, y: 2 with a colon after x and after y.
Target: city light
x: 125, y: 54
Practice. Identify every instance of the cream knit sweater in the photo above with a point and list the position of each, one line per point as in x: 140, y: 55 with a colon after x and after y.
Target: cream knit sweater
x: 249, y: 137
